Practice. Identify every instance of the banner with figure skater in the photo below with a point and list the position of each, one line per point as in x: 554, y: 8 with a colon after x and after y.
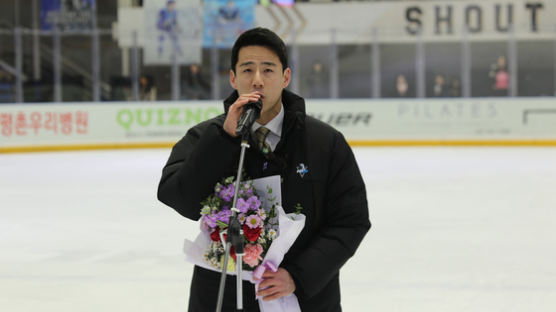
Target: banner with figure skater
x: 225, y: 20
x: 172, y: 29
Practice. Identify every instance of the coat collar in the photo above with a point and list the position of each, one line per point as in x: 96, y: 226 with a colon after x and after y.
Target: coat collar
x: 293, y: 103
x: 294, y: 110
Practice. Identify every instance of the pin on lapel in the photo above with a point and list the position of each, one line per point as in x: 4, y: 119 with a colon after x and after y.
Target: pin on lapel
x: 302, y: 169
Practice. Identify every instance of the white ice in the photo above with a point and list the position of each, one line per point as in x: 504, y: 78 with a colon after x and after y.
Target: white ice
x: 454, y: 229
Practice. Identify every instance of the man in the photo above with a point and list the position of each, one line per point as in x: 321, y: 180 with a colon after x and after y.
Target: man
x: 317, y: 168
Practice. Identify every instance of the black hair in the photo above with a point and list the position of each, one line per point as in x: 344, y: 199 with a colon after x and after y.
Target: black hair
x: 260, y: 37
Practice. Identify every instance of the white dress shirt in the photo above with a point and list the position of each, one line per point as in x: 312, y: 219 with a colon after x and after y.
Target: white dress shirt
x: 275, y: 127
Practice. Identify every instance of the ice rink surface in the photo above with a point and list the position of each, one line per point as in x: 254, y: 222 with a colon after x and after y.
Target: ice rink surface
x: 454, y: 229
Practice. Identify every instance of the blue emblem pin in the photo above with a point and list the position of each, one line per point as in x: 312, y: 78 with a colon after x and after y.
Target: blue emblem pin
x: 302, y: 169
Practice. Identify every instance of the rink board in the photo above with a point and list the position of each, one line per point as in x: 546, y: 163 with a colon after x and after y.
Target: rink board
x: 484, y: 121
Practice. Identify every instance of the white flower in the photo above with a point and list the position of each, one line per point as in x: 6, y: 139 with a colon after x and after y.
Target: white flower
x: 262, y: 214
x: 205, y: 210
x: 241, y: 218
x: 220, y: 248
x: 261, y: 240
x: 272, y: 234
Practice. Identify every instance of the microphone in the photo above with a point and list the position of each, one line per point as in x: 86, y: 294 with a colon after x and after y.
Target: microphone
x: 251, y: 112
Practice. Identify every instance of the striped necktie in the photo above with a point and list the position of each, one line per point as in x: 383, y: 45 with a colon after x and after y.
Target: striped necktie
x: 260, y: 136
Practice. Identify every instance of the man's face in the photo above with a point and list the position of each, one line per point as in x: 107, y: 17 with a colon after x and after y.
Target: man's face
x: 259, y: 69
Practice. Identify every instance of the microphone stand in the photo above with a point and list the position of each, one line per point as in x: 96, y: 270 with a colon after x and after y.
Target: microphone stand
x: 235, y: 236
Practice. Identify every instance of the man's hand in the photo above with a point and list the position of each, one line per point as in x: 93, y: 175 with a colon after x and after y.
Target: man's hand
x: 275, y: 285
x: 236, y: 109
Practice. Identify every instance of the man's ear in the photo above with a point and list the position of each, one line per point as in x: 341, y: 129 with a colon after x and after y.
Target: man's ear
x: 287, y: 77
x: 233, y: 79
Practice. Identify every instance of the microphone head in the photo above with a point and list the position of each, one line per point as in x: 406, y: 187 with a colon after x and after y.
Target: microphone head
x: 258, y: 107
x: 251, y: 112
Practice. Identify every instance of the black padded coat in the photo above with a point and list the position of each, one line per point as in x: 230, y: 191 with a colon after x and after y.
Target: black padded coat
x: 332, y: 195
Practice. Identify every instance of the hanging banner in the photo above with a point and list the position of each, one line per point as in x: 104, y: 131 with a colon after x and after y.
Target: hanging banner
x: 172, y: 29
x: 225, y: 20
x: 67, y: 15
x: 407, y: 21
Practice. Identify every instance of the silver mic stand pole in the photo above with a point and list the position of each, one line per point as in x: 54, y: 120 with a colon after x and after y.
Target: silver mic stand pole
x: 235, y: 237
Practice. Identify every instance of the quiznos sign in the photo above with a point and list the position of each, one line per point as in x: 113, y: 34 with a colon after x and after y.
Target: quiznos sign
x: 140, y: 118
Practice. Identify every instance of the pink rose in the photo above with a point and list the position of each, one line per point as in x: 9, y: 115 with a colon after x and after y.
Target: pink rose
x: 252, y: 254
x: 204, y: 226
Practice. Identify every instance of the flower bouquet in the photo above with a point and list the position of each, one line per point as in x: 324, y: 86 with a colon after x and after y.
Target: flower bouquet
x: 268, y: 232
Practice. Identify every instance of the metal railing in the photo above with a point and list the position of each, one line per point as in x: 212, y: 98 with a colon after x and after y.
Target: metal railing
x: 377, y: 78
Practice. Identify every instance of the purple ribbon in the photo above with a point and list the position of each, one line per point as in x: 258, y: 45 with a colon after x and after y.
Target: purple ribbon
x: 259, y: 271
x: 267, y: 265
